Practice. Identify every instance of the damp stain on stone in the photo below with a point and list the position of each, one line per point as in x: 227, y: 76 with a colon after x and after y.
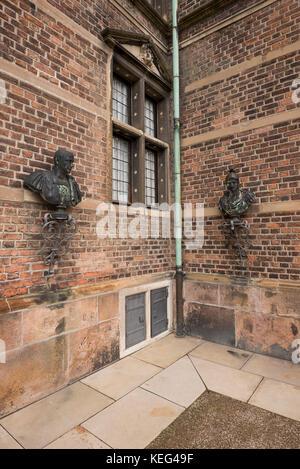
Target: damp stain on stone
x: 241, y: 297
x: 248, y: 325
x: 232, y: 352
x: 270, y: 293
x: 294, y: 329
x: 238, y: 354
x: 57, y: 306
x: 278, y: 351
x: 106, y: 355
x: 52, y: 296
x: 61, y: 326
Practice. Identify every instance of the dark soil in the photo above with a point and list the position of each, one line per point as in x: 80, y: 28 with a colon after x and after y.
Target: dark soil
x: 215, y: 421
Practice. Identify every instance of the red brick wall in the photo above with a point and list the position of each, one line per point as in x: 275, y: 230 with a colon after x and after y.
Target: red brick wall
x: 95, y: 16
x: 47, y: 48
x: 35, y: 123
x: 266, y: 157
x: 274, y: 26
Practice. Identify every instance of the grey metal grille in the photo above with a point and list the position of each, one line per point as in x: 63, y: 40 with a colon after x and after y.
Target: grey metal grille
x: 150, y: 177
x: 159, y: 311
x: 150, y: 117
x: 135, y: 319
x: 120, y: 169
x: 121, y: 100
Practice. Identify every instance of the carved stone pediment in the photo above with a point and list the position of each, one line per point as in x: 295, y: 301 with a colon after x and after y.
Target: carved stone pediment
x: 140, y: 47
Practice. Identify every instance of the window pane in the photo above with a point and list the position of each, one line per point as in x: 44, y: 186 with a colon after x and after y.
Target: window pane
x: 150, y: 117
x: 155, y: 4
x: 120, y: 100
x: 150, y: 177
x: 120, y: 169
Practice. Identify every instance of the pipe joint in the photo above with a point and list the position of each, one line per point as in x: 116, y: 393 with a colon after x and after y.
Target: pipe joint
x: 176, y: 123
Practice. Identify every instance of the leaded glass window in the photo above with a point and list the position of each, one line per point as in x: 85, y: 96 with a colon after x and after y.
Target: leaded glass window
x: 157, y: 4
x: 150, y: 177
x: 121, y: 169
x: 121, y: 100
x: 150, y: 117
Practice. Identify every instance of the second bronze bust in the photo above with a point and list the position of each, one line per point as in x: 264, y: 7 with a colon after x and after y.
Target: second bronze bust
x: 235, y: 201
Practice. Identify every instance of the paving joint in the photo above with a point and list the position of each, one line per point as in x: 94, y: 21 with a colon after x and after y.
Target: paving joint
x: 162, y: 395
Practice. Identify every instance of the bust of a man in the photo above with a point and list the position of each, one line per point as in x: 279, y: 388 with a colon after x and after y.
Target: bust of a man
x: 235, y: 201
x: 56, y: 187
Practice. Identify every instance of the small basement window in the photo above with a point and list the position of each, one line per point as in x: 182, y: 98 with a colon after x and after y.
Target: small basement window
x: 146, y: 314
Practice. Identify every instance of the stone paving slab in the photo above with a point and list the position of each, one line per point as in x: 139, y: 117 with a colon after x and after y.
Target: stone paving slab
x: 44, y: 421
x: 229, y: 356
x: 277, y: 397
x: 122, y: 377
x: 78, y: 438
x: 133, y: 421
x: 179, y: 383
x: 274, y: 368
x: 6, y: 441
x: 228, y: 381
x: 83, y: 416
x: 166, y: 351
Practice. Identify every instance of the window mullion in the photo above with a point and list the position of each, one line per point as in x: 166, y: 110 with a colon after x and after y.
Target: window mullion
x: 138, y: 170
x: 162, y: 120
x: 137, y: 104
x: 162, y: 173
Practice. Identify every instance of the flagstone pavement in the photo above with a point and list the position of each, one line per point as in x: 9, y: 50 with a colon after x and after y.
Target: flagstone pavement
x: 127, y: 404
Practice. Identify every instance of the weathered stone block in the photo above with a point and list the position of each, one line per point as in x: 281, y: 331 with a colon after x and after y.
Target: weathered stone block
x: 266, y: 334
x: 4, y: 308
x: 10, y: 330
x: 94, y: 347
x: 31, y: 373
x: 200, y: 292
x: 108, y: 306
x: 245, y: 298
x: 47, y: 321
x: 283, y: 302
x: 210, y: 323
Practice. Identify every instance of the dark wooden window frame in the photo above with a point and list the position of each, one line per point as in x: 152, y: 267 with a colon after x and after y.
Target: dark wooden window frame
x: 129, y: 195
x: 142, y: 85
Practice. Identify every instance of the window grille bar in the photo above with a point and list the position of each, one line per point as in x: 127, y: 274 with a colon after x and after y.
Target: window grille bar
x: 150, y: 117
x: 150, y: 177
x: 121, y: 100
x: 120, y: 169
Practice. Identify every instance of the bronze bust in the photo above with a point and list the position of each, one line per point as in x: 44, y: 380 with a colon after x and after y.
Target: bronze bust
x: 232, y: 205
x: 56, y: 187
x: 235, y: 201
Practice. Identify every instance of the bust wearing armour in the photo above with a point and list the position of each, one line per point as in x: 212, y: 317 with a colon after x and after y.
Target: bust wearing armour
x: 235, y: 201
x: 56, y: 187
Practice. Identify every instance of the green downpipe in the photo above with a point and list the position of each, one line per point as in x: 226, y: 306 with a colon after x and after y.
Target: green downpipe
x: 178, y: 212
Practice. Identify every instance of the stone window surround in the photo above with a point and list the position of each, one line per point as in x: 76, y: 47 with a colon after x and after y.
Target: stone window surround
x: 141, y: 87
x: 146, y: 288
